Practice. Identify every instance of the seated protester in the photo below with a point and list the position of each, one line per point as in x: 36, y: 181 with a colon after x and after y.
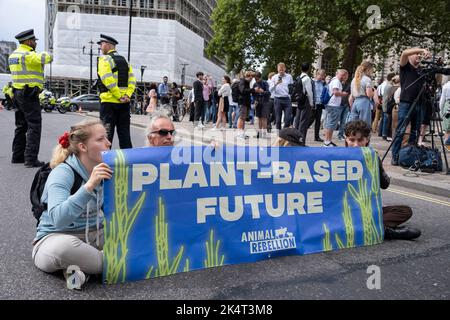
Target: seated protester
x: 160, y: 131
x: 69, y: 231
x: 289, y: 137
x: 357, y: 134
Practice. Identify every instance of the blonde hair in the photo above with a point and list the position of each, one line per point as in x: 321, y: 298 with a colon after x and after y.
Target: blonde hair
x: 248, y: 74
x: 271, y: 75
x: 360, y: 71
x: 79, y: 133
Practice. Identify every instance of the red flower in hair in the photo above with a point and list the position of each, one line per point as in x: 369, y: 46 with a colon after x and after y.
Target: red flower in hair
x: 64, y: 140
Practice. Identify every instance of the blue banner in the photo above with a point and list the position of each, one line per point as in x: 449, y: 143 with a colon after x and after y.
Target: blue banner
x: 170, y: 210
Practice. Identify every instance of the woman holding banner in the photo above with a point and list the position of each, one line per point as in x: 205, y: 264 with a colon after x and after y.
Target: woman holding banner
x: 69, y: 233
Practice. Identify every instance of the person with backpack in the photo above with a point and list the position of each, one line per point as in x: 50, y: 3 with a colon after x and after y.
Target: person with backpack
x: 69, y: 230
x: 304, y: 95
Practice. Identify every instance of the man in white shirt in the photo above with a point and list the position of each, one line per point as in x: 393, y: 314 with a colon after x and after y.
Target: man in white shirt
x: 304, y: 110
x: 334, y: 106
x: 279, y: 86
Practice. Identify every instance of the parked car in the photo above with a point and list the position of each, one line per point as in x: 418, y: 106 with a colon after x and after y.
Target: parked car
x: 87, y: 102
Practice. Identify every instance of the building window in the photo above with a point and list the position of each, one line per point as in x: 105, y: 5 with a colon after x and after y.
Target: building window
x: 330, y: 61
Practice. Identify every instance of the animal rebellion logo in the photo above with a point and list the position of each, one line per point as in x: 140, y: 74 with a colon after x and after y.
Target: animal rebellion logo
x: 269, y: 240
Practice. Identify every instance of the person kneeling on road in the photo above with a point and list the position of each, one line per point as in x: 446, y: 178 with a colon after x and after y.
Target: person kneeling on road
x: 70, y: 232
x: 357, y: 134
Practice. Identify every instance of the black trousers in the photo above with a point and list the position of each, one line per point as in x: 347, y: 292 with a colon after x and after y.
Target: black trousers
x: 28, y: 118
x: 316, y: 115
x: 198, y: 110
x: 302, y: 117
x: 117, y: 115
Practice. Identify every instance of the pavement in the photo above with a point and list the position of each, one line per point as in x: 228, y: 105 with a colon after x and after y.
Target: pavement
x: 437, y: 183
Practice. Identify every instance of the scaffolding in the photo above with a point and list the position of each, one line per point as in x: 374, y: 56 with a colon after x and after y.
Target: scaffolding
x: 167, y: 36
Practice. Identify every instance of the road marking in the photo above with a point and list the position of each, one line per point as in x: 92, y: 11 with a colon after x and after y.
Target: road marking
x: 420, y: 197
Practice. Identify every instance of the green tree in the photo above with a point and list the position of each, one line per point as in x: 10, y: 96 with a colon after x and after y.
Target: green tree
x: 248, y: 31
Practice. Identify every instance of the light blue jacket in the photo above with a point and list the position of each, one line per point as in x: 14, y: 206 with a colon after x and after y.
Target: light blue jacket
x: 67, y: 213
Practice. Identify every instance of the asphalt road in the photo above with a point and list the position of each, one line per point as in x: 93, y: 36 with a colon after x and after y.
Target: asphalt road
x: 409, y: 269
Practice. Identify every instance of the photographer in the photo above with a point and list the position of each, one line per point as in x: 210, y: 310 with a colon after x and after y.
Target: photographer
x: 444, y: 106
x: 410, y: 88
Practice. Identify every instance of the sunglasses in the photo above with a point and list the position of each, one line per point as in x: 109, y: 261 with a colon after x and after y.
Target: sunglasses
x: 165, y: 132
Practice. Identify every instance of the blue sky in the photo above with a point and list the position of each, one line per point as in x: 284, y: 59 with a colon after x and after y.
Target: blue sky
x: 20, y: 15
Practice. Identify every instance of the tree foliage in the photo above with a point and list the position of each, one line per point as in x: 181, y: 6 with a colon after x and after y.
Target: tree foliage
x: 250, y: 32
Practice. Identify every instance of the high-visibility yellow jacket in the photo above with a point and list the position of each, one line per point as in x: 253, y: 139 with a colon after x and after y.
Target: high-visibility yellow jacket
x: 106, y: 65
x: 8, y: 90
x: 27, y: 67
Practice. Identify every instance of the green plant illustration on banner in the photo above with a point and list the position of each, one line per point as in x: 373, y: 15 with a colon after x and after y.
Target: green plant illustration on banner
x: 327, y: 246
x: 212, y: 253
x: 372, y: 165
x: 349, y: 228
x: 165, y: 267
x: 118, y: 230
x: 364, y: 199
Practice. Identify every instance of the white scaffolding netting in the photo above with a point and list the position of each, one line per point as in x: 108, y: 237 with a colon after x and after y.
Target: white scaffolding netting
x: 160, y: 45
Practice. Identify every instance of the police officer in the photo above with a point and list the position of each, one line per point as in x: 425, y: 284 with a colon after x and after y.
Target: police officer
x: 9, y: 95
x: 27, y: 70
x: 116, y: 85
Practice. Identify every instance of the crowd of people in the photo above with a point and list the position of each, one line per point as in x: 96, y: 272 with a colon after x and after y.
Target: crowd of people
x: 69, y: 231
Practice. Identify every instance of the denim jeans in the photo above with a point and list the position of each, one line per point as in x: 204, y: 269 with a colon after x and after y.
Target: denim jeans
x: 415, y: 122
x: 233, y: 108
x: 361, y: 110
x: 213, y: 112
x: 343, y: 120
x: 207, y: 112
x: 385, y: 125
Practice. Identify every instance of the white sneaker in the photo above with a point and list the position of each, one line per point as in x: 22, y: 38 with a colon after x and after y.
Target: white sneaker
x: 200, y: 125
x: 329, y: 144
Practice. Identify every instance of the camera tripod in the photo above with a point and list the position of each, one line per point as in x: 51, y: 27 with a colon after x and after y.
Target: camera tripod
x: 425, y: 98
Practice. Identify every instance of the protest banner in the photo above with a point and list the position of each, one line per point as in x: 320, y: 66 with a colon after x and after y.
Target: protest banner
x: 176, y: 209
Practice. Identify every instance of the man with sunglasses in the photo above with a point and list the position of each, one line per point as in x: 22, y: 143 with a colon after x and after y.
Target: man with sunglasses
x: 160, y: 131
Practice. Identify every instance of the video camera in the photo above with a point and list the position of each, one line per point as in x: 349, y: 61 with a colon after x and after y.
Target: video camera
x: 435, y: 66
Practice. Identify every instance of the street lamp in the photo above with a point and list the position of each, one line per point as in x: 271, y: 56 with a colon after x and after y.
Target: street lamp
x: 50, y: 82
x: 143, y: 84
x: 91, y: 54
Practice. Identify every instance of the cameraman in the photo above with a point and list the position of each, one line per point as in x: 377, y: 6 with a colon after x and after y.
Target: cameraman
x: 444, y: 106
x: 409, y: 73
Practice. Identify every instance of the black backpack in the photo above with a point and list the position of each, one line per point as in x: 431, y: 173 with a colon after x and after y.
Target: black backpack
x: 298, y: 94
x: 37, y: 188
x: 235, y: 92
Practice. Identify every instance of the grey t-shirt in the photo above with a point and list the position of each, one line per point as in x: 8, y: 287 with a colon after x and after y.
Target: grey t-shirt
x: 361, y: 91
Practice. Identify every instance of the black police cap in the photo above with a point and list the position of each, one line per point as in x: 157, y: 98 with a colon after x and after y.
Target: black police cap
x: 105, y: 38
x: 26, y: 35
